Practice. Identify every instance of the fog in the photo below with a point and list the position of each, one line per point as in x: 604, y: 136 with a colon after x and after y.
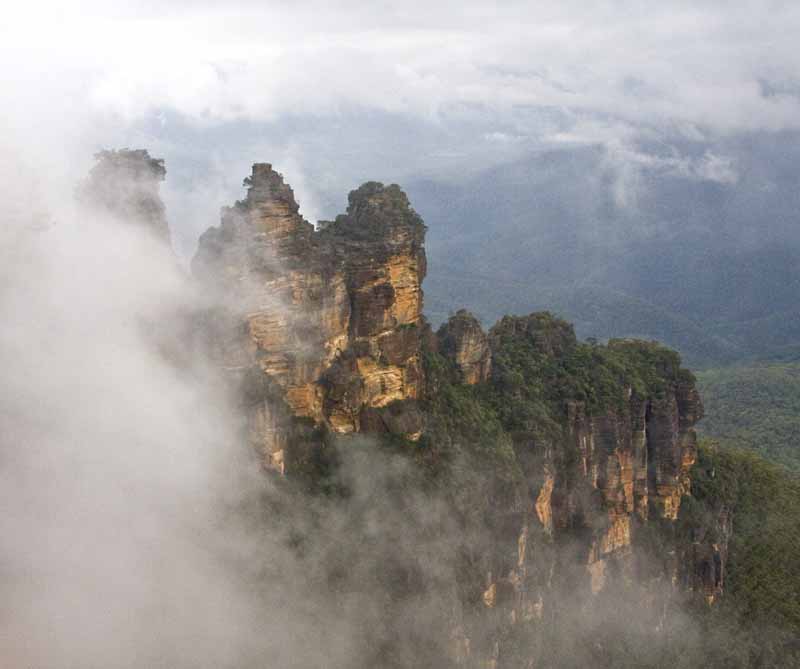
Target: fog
x: 115, y: 464
x: 138, y: 529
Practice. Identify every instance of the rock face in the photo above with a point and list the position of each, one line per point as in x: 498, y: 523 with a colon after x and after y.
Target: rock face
x: 703, y: 559
x: 618, y: 466
x: 638, y: 459
x: 326, y: 321
x: 463, y: 341
x: 322, y: 329
x: 591, y: 491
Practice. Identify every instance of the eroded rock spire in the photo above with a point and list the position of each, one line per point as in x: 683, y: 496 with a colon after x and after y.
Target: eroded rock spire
x: 125, y: 183
x: 328, y: 321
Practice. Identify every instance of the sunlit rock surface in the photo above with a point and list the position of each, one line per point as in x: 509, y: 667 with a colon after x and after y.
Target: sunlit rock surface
x: 331, y: 318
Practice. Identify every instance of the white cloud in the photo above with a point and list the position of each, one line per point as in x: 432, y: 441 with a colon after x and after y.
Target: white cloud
x: 465, y: 78
x: 260, y: 61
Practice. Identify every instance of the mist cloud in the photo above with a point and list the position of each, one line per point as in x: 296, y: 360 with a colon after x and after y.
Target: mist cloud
x: 713, y: 67
x: 328, y: 93
x: 138, y: 529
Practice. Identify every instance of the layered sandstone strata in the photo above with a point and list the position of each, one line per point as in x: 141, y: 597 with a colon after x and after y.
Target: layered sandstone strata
x: 324, y: 324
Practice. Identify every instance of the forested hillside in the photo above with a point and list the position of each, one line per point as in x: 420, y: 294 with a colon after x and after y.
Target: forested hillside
x: 755, y: 407
x: 758, y: 619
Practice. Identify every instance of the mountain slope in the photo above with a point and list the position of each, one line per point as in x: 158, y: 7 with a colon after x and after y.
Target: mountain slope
x: 756, y: 407
x: 714, y: 262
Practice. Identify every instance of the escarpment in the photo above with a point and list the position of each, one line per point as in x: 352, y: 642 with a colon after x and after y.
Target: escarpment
x: 504, y: 498
x: 563, y: 459
x: 603, y: 440
x: 325, y: 324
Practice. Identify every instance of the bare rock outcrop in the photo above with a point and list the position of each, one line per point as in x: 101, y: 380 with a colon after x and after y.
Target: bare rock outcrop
x: 331, y: 318
x: 463, y: 340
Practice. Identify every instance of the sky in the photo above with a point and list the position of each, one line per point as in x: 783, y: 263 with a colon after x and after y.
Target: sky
x: 336, y: 93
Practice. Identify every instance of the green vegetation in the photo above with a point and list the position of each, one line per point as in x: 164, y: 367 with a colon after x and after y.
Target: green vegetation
x: 540, y: 367
x: 759, y: 615
x: 737, y: 496
x: 753, y: 505
x: 483, y: 443
x: 754, y: 407
x: 594, y: 310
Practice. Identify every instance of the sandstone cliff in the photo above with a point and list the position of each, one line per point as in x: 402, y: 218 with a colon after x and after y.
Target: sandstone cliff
x: 323, y: 324
x: 463, y: 340
x: 579, y: 454
x: 541, y: 510
x: 596, y: 486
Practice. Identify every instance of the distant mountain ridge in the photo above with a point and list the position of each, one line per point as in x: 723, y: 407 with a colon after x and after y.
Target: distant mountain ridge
x: 711, y: 268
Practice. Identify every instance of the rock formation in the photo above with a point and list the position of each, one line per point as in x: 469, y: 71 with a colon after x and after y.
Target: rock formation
x: 463, y: 340
x: 593, y: 487
x: 322, y: 329
x: 327, y: 322
x: 125, y: 184
x: 564, y: 465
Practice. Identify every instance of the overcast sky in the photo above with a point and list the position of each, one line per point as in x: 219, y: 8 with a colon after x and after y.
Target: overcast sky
x: 333, y: 93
